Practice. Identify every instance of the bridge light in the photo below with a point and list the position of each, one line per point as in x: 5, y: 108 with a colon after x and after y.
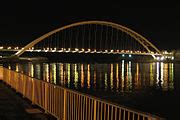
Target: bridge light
x: 106, y: 51
x: 9, y: 48
x: 82, y: 49
x: 76, y: 49
x: 172, y: 58
x: 112, y: 50
x: 55, y: 48
x: 130, y: 55
x: 47, y: 48
x: 89, y: 50
x: 165, y: 52
x: 1, y: 47
x: 123, y: 55
x: 162, y: 58
x: 158, y: 58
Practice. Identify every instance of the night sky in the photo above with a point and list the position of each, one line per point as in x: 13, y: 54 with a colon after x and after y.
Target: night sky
x: 22, y: 22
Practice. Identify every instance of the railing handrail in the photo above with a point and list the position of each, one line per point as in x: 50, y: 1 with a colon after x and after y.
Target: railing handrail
x: 102, y: 100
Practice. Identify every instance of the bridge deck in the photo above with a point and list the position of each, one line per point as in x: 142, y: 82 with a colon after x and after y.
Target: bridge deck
x: 13, y: 107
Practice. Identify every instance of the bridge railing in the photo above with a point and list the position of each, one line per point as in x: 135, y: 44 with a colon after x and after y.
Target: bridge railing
x: 66, y: 104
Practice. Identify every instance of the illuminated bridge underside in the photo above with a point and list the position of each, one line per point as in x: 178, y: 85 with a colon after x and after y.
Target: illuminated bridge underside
x: 93, y: 37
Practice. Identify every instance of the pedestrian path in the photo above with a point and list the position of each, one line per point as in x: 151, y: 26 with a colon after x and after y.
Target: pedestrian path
x: 14, y: 107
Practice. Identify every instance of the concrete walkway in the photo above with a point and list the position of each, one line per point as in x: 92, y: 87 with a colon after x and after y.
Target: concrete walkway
x: 14, y: 107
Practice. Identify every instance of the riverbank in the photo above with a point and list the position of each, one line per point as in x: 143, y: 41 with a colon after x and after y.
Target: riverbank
x: 23, y: 59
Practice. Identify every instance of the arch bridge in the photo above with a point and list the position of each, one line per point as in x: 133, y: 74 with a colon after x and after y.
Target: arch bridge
x: 93, y: 37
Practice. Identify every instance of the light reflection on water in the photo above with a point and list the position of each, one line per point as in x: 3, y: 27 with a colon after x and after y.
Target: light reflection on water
x: 125, y: 76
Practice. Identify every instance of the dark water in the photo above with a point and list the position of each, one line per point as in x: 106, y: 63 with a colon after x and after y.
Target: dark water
x: 152, y: 87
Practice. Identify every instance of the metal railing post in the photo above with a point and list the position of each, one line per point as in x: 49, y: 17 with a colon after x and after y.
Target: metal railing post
x: 46, y: 98
x: 33, y: 94
x: 95, y: 102
x: 65, y: 102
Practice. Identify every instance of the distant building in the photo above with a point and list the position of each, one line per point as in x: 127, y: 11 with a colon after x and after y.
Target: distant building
x: 168, y: 55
